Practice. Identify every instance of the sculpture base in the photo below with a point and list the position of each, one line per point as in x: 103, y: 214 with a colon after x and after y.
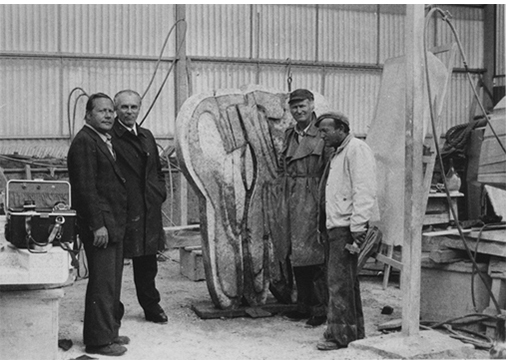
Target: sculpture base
x: 207, y: 310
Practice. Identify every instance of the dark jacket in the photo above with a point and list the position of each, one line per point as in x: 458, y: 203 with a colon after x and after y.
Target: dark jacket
x: 137, y: 157
x: 98, y: 190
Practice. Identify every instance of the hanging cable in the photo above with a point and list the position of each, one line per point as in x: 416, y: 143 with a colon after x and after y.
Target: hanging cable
x: 446, y: 19
x: 500, y: 333
x: 71, y: 121
x: 176, y: 58
x: 160, y: 58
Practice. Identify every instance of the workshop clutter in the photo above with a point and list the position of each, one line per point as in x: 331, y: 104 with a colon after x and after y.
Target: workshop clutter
x: 39, y: 215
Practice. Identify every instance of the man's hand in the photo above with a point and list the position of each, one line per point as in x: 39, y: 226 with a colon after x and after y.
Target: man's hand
x: 359, y: 237
x: 101, y: 237
x: 358, y: 241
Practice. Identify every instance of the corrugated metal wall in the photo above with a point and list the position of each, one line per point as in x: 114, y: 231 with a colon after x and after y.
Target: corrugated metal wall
x: 219, y: 30
x: 128, y: 30
x: 98, y: 48
x: 348, y: 34
x: 29, y: 28
x: 47, y: 50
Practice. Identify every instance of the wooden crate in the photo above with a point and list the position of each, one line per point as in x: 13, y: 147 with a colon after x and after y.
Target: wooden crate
x: 191, y: 263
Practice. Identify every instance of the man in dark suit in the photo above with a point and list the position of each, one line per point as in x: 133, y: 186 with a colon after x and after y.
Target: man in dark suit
x: 100, y: 199
x: 137, y: 157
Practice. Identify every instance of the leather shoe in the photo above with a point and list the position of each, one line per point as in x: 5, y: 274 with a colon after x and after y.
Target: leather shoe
x: 111, y: 349
x: 122, y: 340
x: 158, y: 317
x: 316, y: 321
x: 296, y: 315
x: 328, y: 345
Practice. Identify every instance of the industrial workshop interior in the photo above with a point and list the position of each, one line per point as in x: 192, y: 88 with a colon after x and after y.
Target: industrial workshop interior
x: 252, y: 182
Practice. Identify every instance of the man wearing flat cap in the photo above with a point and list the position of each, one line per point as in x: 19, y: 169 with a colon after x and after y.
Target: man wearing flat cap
x: 348, y: 195
x: 302, y: 162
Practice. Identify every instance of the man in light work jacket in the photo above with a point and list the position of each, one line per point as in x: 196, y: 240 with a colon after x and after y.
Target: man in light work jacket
x: 348, y: 191
x: 302, y: 162
x: 100, y: 199
x: 137, y: 157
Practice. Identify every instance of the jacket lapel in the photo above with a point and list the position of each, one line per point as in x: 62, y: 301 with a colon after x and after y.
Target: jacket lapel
x: 105, y: 150
x: 129, y: 145
x: 310, y: 144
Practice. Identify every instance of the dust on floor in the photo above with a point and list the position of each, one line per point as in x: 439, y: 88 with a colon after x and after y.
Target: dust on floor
x: 186, y: 336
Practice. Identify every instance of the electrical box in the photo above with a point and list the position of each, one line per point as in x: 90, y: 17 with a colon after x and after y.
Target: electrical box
x: 38, y: 214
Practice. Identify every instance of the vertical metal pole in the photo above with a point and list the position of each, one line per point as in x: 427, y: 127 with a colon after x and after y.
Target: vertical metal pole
x: 489, y: 41
x: 413, y: 177
x: 181, y: 94
x: 378, y: 33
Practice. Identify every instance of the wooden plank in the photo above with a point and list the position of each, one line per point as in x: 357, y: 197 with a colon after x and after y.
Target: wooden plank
x: 491, y: 248
x: 390, y: 261
x: 181, y: 94
x: 447, y: 255
x: 182, y: 227
x: 445, y: 232
x: 413, y: 178
x: 497, y: 235
x: 208, y: 311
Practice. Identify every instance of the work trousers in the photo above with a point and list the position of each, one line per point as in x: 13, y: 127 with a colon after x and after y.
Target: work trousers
x: 312, y: 293
x: 103, y: 310
x: 345, y: 318
x: 145, y: 270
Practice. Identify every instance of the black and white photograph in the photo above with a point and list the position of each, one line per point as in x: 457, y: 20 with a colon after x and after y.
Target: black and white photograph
x: 252, y: 181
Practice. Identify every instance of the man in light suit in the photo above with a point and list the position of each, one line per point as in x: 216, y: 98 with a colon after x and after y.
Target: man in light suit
x: 99, y: 197
x: 137, y: 157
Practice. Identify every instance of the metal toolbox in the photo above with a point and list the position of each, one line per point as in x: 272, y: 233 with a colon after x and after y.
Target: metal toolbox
x: 38, y: 213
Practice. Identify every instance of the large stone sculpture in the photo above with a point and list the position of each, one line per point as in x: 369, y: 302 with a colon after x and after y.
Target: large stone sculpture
x: 228, y: 144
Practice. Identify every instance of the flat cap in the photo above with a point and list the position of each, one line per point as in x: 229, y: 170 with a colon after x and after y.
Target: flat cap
x: 337, y: 116
x: 301, y: 94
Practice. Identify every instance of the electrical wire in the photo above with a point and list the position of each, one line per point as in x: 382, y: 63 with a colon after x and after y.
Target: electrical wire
x: 71, y: 122
x: 500, y: 328
x: 468, y: 73
x: 170, y: 68
x: 160, y: 58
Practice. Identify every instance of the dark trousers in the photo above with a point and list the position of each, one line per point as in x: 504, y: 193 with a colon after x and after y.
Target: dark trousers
x: 345, y: 319
x: 145, y: 270
x: 311, y: 290
x: 103, y: 310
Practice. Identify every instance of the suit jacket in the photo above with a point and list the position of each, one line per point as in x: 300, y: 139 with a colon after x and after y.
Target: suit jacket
x: 138, y: 159
x: 97, y: 186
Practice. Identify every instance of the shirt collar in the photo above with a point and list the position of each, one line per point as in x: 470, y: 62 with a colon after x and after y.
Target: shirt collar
x: 345, y: 142
x: 104, y: 136
x: 132, y: 129
x: 308, y: 130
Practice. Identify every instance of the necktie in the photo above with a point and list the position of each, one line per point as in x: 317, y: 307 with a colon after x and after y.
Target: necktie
x: 109, y: 145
